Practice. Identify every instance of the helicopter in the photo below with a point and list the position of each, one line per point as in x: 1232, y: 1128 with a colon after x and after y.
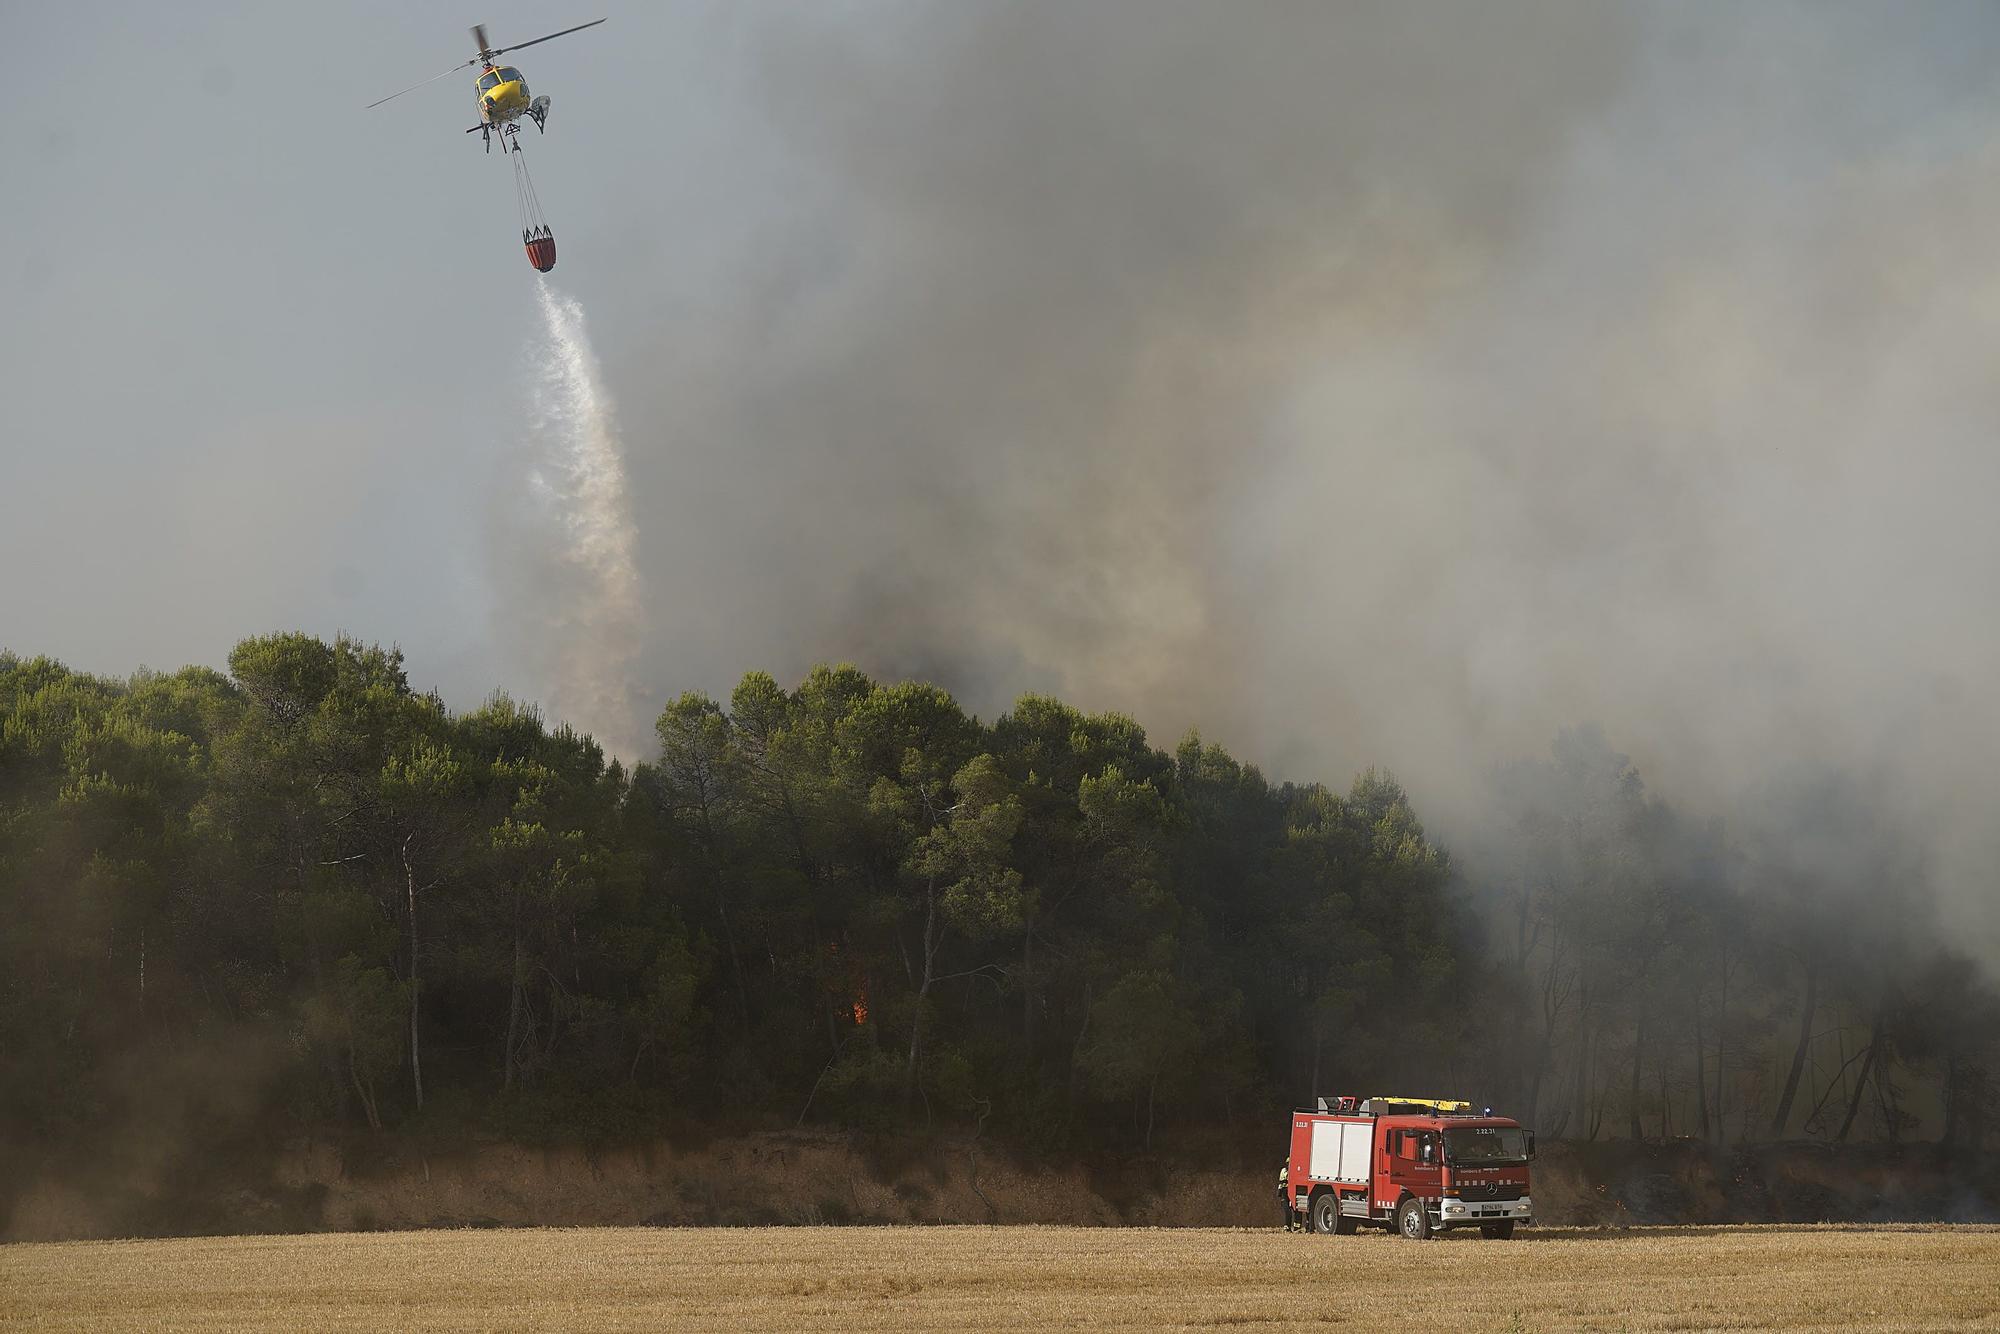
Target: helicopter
x: 503, y: 100
x: 501, y: 91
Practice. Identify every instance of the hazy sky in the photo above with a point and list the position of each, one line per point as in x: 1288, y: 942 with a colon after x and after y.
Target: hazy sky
x: 1365, y: 383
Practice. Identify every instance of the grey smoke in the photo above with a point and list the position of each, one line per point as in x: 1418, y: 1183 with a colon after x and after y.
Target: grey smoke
x: 1365, y: 383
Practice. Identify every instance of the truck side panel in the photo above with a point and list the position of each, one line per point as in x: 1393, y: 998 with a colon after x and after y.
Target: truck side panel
x: 1356, y: 1147
x: 1339, y: 1151
x: 1324, y: 1164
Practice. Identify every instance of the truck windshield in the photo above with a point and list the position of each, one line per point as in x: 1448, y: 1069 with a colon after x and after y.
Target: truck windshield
x: 1471, y: 1146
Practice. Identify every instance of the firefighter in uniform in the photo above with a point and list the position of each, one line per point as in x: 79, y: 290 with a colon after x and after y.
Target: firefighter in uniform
x: 1292, y: 1223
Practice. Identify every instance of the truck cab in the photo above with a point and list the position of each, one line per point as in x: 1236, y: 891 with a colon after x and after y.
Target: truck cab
x: 1418, y: 1165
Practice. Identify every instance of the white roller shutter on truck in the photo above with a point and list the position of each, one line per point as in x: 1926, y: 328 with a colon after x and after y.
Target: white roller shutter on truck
x: 1340, y: 1150
x: 1357, y: 1143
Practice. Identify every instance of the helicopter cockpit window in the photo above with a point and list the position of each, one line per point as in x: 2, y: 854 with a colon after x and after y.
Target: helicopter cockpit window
x: 510, y: 75
x: 488, y: 81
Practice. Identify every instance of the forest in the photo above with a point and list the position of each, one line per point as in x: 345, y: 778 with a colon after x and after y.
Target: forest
x: 849, y: 903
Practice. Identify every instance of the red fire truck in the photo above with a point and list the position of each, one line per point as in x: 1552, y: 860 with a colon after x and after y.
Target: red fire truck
x: 1419, y: 1165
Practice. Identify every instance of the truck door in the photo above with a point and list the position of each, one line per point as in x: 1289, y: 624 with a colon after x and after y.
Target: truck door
x: 1430, y: 1165
x: 1415, y: 1158
x: 1391, y: 1168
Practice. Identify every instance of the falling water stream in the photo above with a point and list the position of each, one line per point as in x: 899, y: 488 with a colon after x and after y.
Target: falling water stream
x: 580, y: 478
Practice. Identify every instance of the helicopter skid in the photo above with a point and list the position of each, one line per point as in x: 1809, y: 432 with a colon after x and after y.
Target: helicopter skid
x: 507, y: 130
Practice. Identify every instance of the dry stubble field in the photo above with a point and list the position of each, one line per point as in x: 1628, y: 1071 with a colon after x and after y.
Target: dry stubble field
x: 977, y: 1278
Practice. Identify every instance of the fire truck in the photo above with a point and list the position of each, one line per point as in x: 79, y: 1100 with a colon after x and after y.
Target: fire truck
x: 1418, y: 1165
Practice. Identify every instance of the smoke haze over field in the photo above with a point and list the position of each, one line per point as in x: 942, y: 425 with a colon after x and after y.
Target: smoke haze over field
x: 1366, y: 384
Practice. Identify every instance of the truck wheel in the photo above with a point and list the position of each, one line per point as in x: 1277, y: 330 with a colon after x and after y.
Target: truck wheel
x: 1499, y: 1231
x: 1326, y: 1214
x: 1412, y: 1221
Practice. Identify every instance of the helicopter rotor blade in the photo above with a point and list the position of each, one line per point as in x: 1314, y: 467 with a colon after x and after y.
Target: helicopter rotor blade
x: 413, y: 87
x: 551, y: 37
x: 479, y: 38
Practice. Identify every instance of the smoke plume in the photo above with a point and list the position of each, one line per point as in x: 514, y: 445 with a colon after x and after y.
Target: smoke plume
x: 1366, y: 384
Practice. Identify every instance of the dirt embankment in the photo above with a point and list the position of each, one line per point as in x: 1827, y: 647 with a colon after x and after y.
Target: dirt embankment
x: 822, y: 1177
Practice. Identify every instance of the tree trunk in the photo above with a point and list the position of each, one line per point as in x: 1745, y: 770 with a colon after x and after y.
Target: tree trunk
x: 923, y: 990
x: 1521, y: 931
x: 416, y: 982
x: 513, y: 1013
x: 1950, y: 1137
x: 1319, y: 1042
x: 1839, y: 1080
x: 1552, y: 1007
x: 1860, y: 1086
x: 1151, y: 1085
x: 1596, y: 1091
x: 329, y: 1057
x: 364, y: 1091
x: 1885, y: 1101
x: 1028, y: 987
x: 1784, y: 1112
x: 1076, y: 1048
x: 735, y: 961
x: 1536, y: 1074
x: 722, y: 904
x: 1580, y: 1093
x: 1700, y: 1074
x: 1638, y: 1048
x: 1721, y: 1041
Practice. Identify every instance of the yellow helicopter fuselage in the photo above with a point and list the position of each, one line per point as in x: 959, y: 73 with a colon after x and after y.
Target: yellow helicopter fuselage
x: 503, y: 95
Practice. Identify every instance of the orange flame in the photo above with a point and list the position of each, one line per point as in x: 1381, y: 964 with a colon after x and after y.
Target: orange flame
x: 860, y: 1005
